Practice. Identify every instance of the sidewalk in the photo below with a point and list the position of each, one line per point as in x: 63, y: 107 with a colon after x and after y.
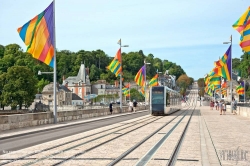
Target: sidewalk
x: 29, y: 130
x: 229, y: 136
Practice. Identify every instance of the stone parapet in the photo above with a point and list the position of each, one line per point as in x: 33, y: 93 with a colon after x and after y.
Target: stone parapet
x: 15, y: 121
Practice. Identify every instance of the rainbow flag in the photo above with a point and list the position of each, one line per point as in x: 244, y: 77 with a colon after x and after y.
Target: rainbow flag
x: 240, y: 90
x: 154, y: 81
x: 224, y: 91
x: 140, y: 76
x: 115, y: 65
x: 142, y: 91
x: 242, y: 25
x: 215, y: 80
x: 38, y: 36
x: 223, y: 66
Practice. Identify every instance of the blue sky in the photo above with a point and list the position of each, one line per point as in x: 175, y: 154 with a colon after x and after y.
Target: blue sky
x: 189, y: 33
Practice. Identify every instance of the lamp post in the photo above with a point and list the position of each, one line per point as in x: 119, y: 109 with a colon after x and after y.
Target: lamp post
x: 40, y: 73
x: 54, y: 93
x: 231, y: 82
x: 120, y: 43
x: 145, y: 88
x: 158, y: 76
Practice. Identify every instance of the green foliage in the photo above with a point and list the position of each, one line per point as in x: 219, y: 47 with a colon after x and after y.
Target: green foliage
x: 2, y: 48
x: 183, y: 82
x: 135, y: 95
x: 41, y: 84
x: 18, y: 86
x: 201, y: 86
x: 14, y: 60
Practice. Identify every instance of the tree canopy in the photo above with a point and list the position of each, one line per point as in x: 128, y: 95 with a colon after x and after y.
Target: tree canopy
x: 13, y: 60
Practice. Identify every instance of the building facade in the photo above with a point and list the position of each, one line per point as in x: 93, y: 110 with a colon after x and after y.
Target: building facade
x: 63, y: 95
x: 80, y: 84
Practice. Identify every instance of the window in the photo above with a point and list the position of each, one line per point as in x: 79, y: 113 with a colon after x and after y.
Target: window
x: 101, y: 87
x: 49, y: 96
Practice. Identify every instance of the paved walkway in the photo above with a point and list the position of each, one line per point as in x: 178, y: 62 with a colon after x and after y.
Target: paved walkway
x: 229, y: 138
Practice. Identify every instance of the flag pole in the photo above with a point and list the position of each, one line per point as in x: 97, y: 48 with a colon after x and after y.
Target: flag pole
x: 145, y: 86
x: 244, y: 92
x: 120, y: 43
x: 54, y: 89
x: 129, y: 92
x: 231, y: 82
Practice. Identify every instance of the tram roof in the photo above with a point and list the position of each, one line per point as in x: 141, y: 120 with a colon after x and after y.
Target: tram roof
x: 168, y: 89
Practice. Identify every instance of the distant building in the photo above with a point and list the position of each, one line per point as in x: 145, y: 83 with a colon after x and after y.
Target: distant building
x: 80, y: 84
x: 101, y: 87
x: 76, y: 100
x: 63, y: 95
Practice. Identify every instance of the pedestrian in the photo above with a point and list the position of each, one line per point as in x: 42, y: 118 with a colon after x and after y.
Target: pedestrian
x: 216, y: 105
x: 224, y: 108
x: 130, y: 106
x: 220, y: 107
x: 134, y: 105
x: 234, y: 106
x: 211, y: 105
x: 110, y: 108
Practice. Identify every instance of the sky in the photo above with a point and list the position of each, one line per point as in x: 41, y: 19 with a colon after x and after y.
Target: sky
x: 189, y: 33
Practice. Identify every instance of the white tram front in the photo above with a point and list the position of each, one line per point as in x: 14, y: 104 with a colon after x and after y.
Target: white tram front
x: 163, y: 100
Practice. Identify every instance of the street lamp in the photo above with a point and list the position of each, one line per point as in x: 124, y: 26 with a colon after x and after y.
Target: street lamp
x: 120, y: 43
x: 145, y: 88
x: 158, y: 76
x: 54, y: 93
x: 40, y: 73
x: 231, y: 82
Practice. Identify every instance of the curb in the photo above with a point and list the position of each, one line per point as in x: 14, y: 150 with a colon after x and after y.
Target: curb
x: 66, y: 125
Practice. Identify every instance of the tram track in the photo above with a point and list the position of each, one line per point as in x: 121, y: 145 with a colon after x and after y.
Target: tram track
x: 65, y: 159
x: 91, y: 148
x: 147, y: 157
x: 78, y: 139
x: 83, y: 152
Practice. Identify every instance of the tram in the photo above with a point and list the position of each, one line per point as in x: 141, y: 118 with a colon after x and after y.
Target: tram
x: 164, y: 101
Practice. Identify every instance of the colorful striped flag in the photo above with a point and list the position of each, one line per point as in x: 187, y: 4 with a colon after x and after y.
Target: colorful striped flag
x: 142, y: 91
x: 215, y: 80
x: 224, y: 91
x: 38, y: 36
x: 115, y: 65
x: 240, y: 90
x: 223, y: 66
x: 140, y: 76
x: 154, y: 81
x: 242, y: 25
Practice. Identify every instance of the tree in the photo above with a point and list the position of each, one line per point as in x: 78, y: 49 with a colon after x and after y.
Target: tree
x: 41, y: 84
x: 1, y: 51
x: 19, y: 86
x: 135, y: 95
x: 201, y: 86
x: 183, y: 82
x: 94, y: 73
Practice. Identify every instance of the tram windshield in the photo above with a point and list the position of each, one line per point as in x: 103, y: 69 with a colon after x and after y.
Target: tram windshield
x: 158, y: 96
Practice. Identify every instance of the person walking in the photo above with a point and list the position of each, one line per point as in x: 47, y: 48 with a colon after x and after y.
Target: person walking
x: 216, y: 105
x: 211, y: 105
x: 130, y: 106
x: 220, y: 107
x: 223, y: 108
x: 134, y: 105
x: 234, y: 107
x: 110, y: 108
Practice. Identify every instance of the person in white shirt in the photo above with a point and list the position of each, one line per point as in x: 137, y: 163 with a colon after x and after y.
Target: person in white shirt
x: 130, y: 106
